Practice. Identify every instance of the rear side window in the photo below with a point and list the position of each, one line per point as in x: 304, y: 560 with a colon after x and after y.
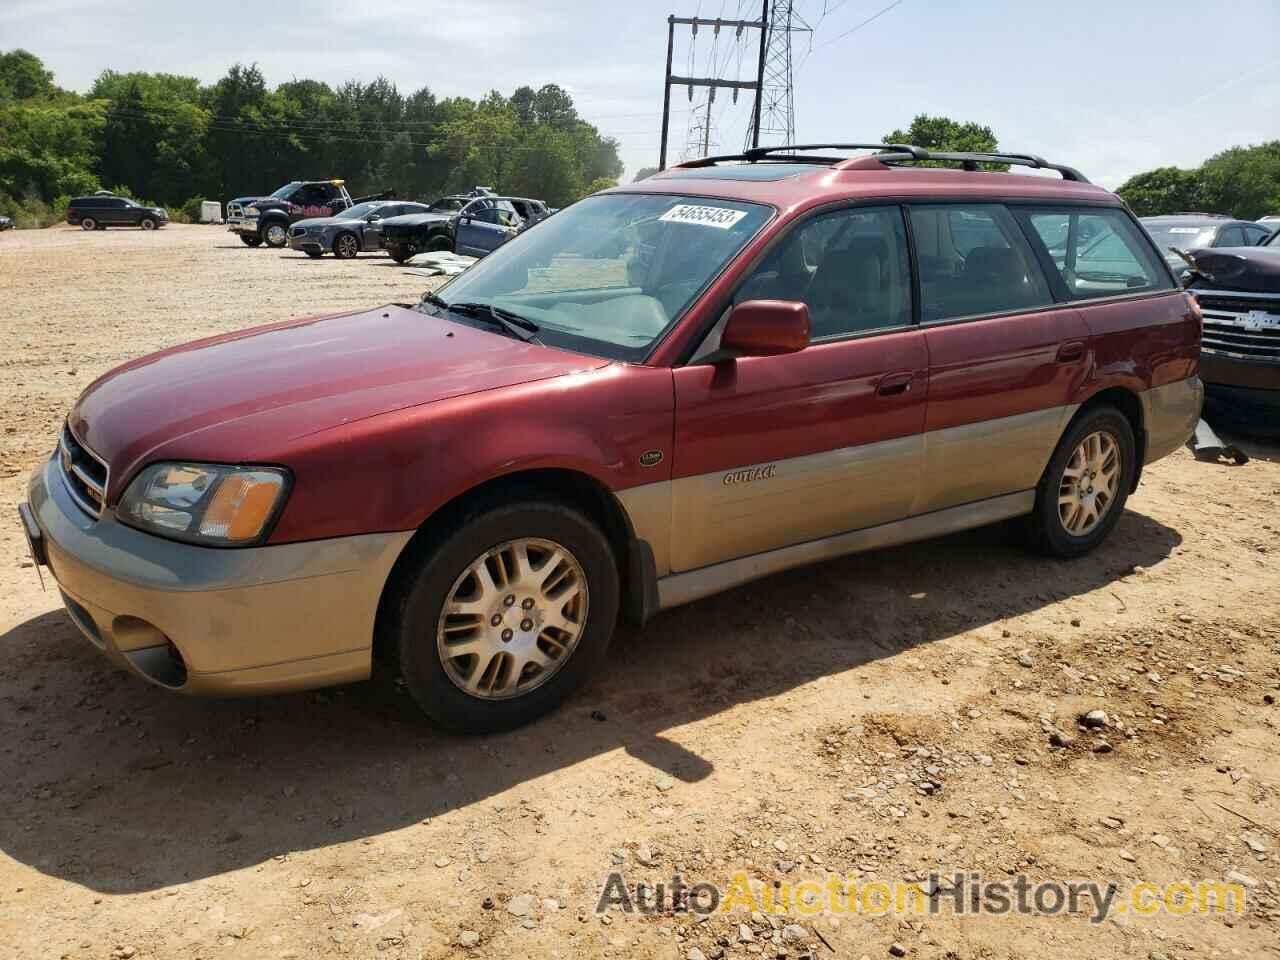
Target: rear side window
x: 1096, y: 253
x: 974, y: 260
x: 850, y: 267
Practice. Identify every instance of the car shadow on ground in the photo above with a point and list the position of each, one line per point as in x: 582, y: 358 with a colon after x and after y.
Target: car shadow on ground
x: 120, y: 787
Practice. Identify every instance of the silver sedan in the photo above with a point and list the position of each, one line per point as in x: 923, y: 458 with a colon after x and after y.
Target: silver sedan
x: 353, y: 231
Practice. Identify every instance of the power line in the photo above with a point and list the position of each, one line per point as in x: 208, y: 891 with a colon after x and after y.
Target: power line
x: 854, y: 29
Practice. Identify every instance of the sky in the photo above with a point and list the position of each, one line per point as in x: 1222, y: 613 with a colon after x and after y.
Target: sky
x: 1112, y: 88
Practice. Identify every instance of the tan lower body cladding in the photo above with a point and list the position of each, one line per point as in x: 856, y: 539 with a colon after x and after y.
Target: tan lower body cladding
x: 713, y: 531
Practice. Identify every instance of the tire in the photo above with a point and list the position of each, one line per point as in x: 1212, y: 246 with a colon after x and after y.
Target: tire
x: 1069, y: 519
x: 148, y: 223
x: 315, y: 254
x: 440, y: 245
x: 88, y: 223
x: 250, y: 241
x: 346, y: 245
x: 442, y: 569
x: 274, y: 234
x: 399, y: 255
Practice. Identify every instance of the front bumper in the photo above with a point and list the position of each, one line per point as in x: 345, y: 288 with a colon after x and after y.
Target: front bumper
x: 1242, y: 395
x: 246, y: 225
x: 213, y: 621
x: 307, y: 243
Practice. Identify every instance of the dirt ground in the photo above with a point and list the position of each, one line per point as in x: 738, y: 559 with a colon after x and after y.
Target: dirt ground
x: 886, y: 715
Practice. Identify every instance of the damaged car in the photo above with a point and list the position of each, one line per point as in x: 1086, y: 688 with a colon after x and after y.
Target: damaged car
x: 1239, y: 294
x: 351, y: 232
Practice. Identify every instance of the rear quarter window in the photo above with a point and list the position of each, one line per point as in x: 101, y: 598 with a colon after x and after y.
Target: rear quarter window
x: 1094, y: 253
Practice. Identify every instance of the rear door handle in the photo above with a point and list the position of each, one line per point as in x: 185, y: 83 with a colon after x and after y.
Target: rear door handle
x: 1071, y: 352
x: 894, y: 384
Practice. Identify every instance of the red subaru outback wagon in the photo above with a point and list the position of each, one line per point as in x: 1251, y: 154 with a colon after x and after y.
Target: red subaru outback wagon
x: 738, y: 366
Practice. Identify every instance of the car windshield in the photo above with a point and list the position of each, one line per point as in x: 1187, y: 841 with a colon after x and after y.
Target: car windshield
x: 611, y: 274
x: 1184, y: 236
x: 358, y: 211
x: 285, y: 191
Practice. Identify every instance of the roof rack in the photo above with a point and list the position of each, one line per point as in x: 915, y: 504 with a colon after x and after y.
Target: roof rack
x: 786, y: 153
x: 887, y: 153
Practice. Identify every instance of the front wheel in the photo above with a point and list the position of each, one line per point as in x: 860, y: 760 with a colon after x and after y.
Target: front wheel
x: 502, y: 617
x: 315, y: 254
x: 440, y: 245
x: 275, y: 235
x: 250, y: 240
x: 148, y: 223
x: 1083, y: 491
x: 346, y: 246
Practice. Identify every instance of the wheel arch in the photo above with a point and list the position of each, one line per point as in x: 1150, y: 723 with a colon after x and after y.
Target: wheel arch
x: 1129, y: 403
x: 636, y: 572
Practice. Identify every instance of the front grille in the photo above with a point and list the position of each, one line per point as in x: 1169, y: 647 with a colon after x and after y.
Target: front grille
x: 84, y: 474
x: 297, y: 231
x: 1242, y: 327
x: 235, y: 209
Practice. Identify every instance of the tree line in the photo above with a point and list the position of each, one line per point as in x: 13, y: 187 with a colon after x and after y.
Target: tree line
x: 172, y: 140
x: 1241, y: 182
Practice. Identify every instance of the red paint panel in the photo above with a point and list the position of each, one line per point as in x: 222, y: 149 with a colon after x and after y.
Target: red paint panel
x: 987, y: 369
x: 761, y: 409
x: 1144, y: 342
x: 285, y: 381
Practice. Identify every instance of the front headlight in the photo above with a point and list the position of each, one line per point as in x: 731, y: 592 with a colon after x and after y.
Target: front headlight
x: 252, y: 211
x: 204, y: 503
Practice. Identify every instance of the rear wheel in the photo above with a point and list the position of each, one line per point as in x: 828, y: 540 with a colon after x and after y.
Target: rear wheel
x: 275, y: 234
x: 346, y: 245
x: 440, y: 245
x: 1083, y: 491
x: 250, y: 241
x: 505, y: 614
x: 88, y: 223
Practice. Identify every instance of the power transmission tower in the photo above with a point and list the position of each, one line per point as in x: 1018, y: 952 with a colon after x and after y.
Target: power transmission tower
x: 775, y: 119
x: 703, y: 128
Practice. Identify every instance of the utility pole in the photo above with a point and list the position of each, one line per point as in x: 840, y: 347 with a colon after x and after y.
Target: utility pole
x: 712, y: 83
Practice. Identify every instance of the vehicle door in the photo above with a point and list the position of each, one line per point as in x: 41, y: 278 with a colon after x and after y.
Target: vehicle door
x: 1005, y: 359
x: 483, y: 226
x: 774, y: 451
x: 371, y: 225
x: 113, y: 211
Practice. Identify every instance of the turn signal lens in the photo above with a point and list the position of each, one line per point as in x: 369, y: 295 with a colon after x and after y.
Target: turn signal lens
x: 242, y: 506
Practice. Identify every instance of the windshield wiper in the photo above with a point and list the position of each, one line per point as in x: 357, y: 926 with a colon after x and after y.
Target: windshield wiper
x: 519, y: 327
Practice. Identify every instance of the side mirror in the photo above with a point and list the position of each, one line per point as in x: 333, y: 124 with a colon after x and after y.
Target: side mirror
x: 373, y: 218
x: 766, y: 328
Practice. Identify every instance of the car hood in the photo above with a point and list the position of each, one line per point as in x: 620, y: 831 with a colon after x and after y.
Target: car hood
x: 279, y: 383
x: 318, y: 222
x: 247, y: 200
x: 1248, y: 269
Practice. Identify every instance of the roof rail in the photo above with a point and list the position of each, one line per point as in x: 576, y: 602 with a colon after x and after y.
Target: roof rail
x: 888, y: 153
x: 787, y: 153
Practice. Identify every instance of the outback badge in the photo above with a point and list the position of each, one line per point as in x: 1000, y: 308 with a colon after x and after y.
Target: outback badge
x: 650, y: 458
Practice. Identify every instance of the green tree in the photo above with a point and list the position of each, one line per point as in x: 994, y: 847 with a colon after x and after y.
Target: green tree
x: 946, y: 135
x: 644, y: 173
x: 1163, y: 190
x: 23, y: 76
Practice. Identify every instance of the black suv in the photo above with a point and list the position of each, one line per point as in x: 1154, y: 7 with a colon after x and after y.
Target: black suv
x: 99, y: 212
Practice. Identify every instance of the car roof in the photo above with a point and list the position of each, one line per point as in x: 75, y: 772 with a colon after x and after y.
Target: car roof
x: 789, y: 186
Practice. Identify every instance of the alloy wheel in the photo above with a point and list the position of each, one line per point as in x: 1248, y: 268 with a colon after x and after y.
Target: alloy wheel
x: 1090, y: 483
x: 512, y: 619
x: 347, y: 246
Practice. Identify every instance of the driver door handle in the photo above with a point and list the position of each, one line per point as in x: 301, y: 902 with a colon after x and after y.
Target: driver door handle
x: 895, y: 384
x: 1071, y: 351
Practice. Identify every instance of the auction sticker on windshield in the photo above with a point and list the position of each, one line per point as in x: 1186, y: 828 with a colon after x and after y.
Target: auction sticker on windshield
x: 722, y: 218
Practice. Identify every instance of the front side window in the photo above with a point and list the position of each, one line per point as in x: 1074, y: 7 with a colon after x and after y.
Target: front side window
x: 1230, y: 237
x: 1097, y: 252
x: 610, y: 275
x: 850, y: 267
x: 973, y: 260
